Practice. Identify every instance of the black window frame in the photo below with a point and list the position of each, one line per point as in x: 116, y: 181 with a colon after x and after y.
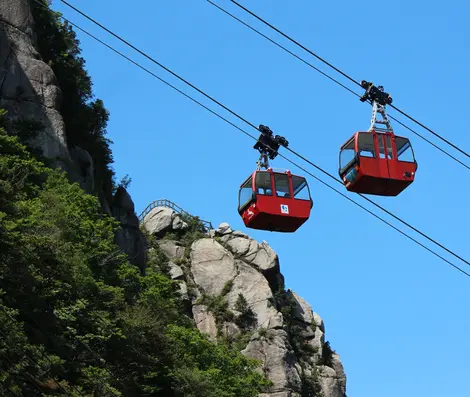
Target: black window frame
x: 308, y: 188
x: 271, y: 183
x: 250, y: 199
x: 354, y: 159
x: 408, y: 142
x: 275, y: 174
x: 371, y: 134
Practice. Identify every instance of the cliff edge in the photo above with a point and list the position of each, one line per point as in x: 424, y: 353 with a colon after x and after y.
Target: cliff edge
x: 235, y: 291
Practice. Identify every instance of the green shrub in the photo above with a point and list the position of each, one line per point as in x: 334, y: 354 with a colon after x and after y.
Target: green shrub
x: 311, y: 385
x: 85, y: 117
x: 218, y: 306
x: 75, y: 313
x: 227, y: 288
x: 247, y: 318
x: 327, y: 354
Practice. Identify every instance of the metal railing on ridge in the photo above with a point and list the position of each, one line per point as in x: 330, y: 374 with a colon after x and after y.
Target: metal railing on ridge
x: 169, y: 204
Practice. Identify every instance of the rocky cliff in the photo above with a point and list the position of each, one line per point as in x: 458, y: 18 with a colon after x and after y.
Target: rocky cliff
x: 28, y: 87
x: 235, y: 292
x: 232, y: 285
x: 30, y: 93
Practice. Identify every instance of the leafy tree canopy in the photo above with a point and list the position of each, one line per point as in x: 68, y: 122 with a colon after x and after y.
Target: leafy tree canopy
x: 76, y: 318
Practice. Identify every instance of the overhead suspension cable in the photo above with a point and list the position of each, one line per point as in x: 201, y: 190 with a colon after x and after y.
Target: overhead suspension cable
x: 253, y: 137
x: 334, y: 80
x: 256, y: 139
x: 253, y: 126
x: 348, y: 77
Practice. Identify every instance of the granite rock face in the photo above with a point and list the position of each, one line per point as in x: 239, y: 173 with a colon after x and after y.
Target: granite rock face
x: 28, y: 87
x: 232, y: 283
x: 229, y: 269
x: 161, y: 220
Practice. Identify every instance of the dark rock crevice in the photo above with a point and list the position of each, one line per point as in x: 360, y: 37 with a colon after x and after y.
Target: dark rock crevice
x: 129, y: 238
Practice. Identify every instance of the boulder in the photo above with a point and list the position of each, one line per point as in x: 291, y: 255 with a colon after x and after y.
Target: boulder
x: 178, y: 223
x: 161, y: 220
x: 317, y: 343
x: 205, y: 321
x: 172, y: 249
x: 224, y: 228
x: 18, y: 14
x: 158, y: 220
x: 175, y: 271
x: 212, y: 266
x: 230, y: 330
x: 261, y: 255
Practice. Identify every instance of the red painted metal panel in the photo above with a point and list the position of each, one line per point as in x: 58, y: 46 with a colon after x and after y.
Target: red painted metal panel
x: 274, y: 213
x: 383, y: 175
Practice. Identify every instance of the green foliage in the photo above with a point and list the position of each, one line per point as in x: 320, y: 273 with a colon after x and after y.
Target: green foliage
x: 75, y: 316
x: 125, y: 182
x: 157, y: 258
x: 55, y: 265
x: 211, y: 370
x: 240, y: 341
x: 195, y: 231
x: 85, y: 117
x: 327, y: 354
x: 27, y: 365
x: 3, y: 113
x: 311, y: 385
x: 194, y: 223
x: 218, y: 306
x: 295, y: 328
x: 227, y: 287
x: 263, y: 332
x: 247, y: 318
x: 26, y: 129
x: 241, y: 305
x: 313, y: 324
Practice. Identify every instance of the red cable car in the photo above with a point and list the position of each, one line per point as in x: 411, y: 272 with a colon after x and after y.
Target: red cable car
x: 377, y: 162
x: 273, y: 201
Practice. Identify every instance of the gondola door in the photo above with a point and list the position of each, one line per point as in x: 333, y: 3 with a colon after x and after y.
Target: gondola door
x: 377, y: 162
x: 400, y: 163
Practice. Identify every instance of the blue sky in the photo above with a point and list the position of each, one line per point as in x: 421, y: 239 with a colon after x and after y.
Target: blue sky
x: 397, y: 315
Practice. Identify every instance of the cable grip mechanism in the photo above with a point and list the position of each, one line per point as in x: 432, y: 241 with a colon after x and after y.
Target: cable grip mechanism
x: 268, y: 146
x: 379, y: 99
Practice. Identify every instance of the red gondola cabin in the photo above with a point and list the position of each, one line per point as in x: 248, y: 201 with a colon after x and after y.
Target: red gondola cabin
x: 377, y: 163
x: 274, y: 201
